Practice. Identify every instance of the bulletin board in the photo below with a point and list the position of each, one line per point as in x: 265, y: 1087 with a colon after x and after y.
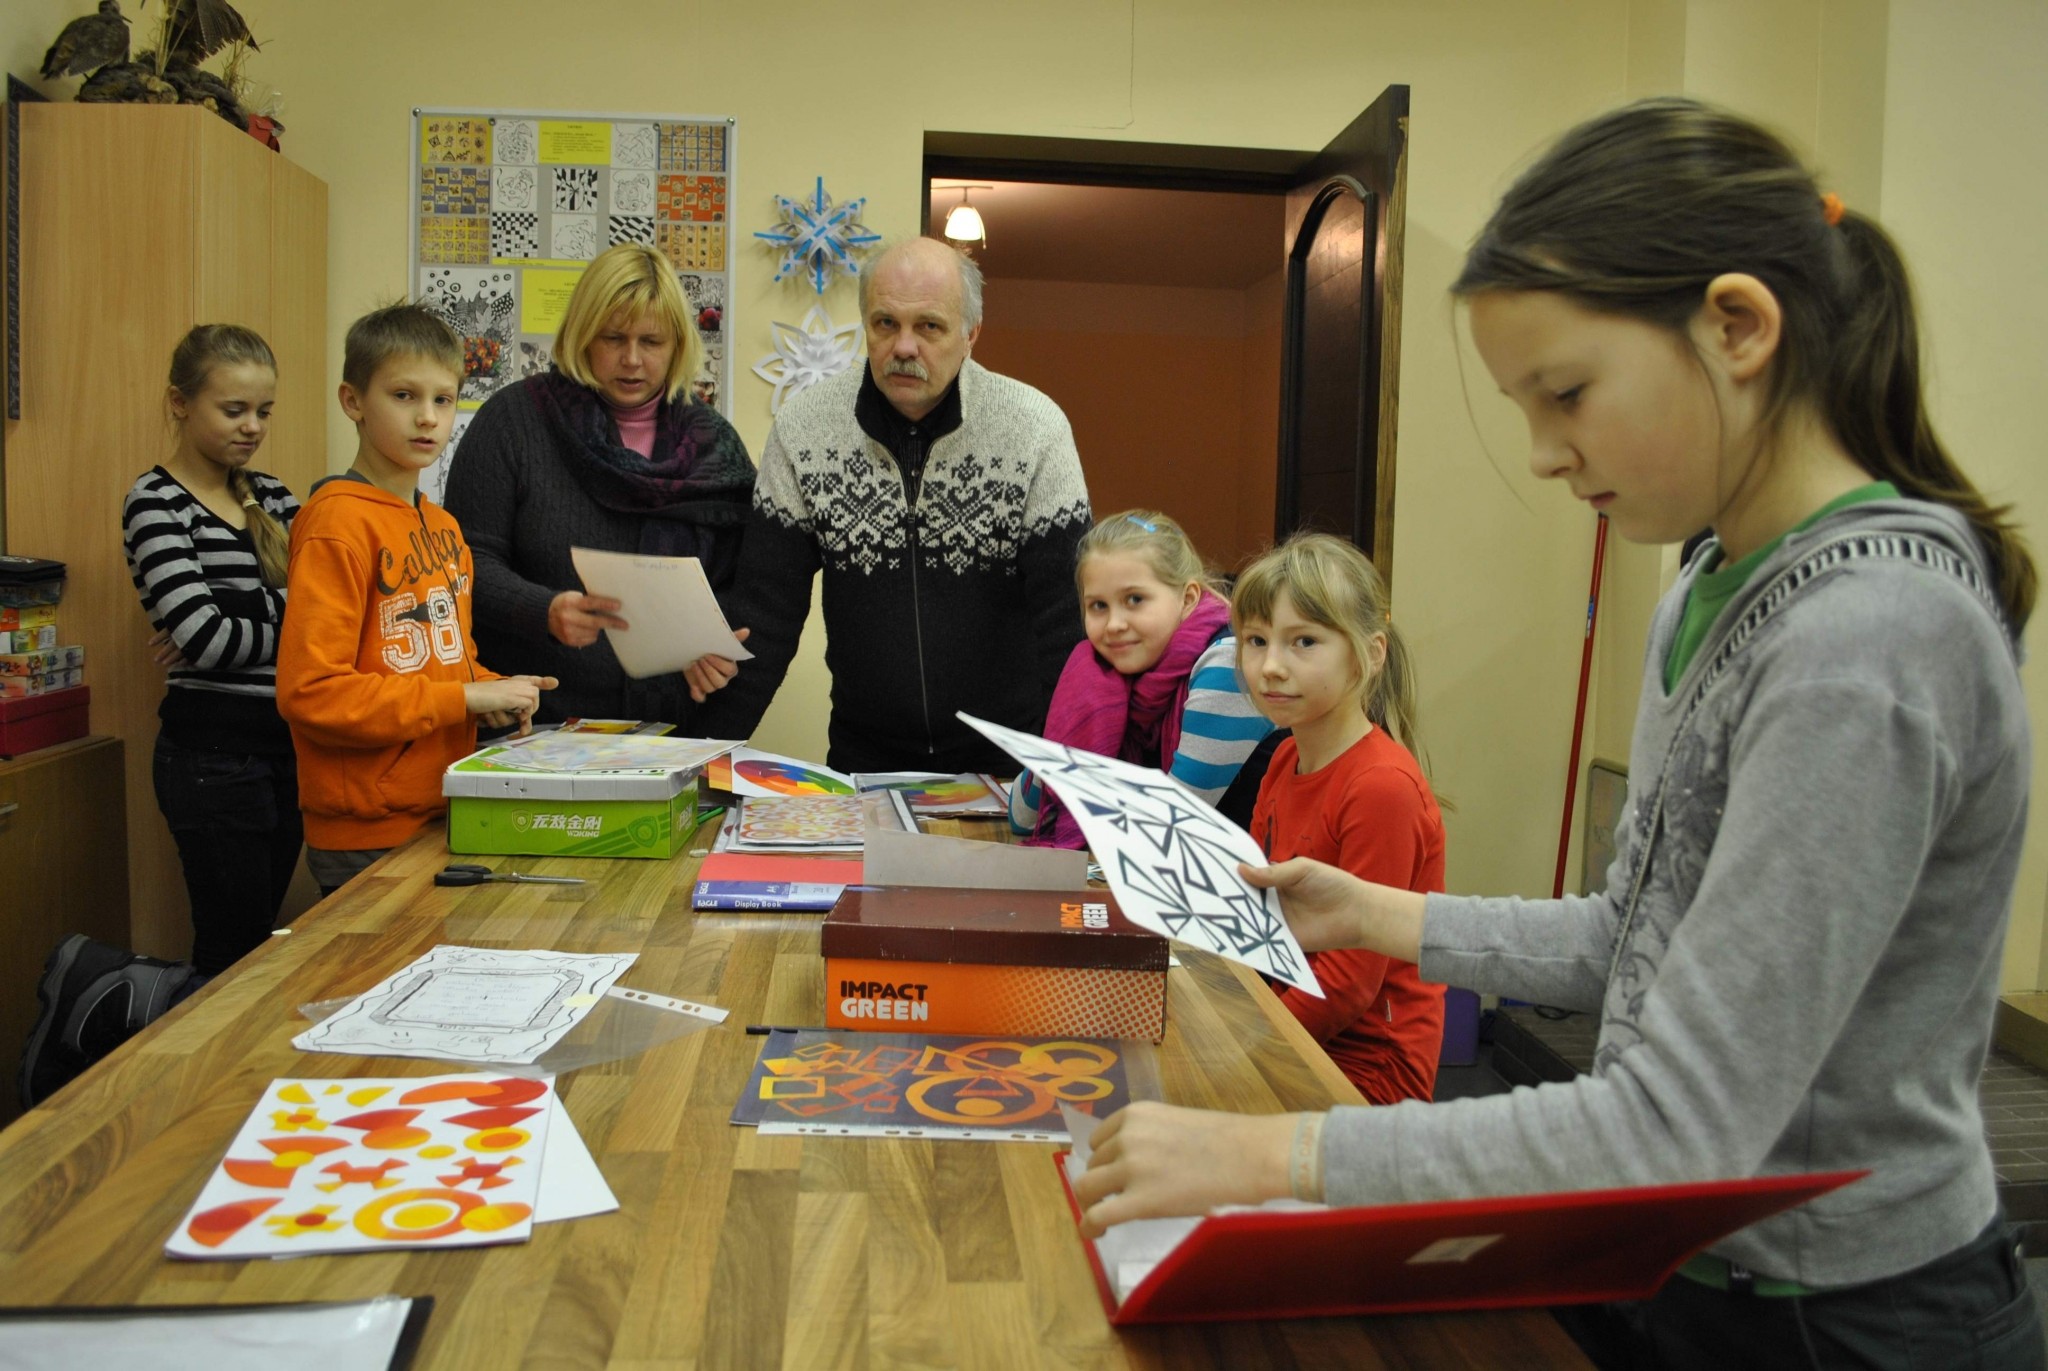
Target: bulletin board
x: 509, y: 206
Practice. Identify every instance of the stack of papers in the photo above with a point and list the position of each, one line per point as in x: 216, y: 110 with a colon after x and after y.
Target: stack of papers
x: 371, y: 1164
x: 822, y: 824
x: 935, y: 796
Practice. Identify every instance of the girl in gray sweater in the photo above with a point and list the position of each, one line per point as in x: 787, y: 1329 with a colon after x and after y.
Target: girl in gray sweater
x: 1795, y: 961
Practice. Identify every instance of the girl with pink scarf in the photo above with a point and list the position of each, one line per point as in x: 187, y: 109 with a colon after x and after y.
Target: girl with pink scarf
x: 1156, y: 680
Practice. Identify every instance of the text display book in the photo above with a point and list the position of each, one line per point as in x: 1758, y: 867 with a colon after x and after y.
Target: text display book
x: 1571, y: 1247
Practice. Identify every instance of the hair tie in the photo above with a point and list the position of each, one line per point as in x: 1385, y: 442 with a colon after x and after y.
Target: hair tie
x: 1831, y: 207
x: 1145, y: 524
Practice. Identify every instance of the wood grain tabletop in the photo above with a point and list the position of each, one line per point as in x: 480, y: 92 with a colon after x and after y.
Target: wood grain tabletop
x: 729, y: 1249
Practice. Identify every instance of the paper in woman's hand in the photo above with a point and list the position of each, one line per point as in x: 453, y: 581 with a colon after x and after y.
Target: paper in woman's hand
x: 1168, y: 855
x: 674, y: 616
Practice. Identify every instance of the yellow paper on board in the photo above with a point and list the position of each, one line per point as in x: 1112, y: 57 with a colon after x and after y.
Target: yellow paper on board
x: 584, y: 141
x: 544, y: 299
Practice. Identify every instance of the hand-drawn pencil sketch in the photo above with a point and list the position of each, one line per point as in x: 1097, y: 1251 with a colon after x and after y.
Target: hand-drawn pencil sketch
x: 471, y: 1004
x: 1170, y: 858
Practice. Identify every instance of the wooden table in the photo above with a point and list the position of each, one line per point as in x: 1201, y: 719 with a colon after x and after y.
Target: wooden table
x: 730, y: 1249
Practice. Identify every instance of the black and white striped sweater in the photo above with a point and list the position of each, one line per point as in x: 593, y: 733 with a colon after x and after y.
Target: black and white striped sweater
x: 199, y: 579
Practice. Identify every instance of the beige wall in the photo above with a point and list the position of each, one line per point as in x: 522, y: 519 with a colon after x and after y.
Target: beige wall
x: 1965, y: 137
x: 1932, y: 111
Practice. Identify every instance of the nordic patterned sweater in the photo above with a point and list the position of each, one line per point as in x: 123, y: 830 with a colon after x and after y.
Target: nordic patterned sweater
x: 1802, y: 976
x: 959, y: 596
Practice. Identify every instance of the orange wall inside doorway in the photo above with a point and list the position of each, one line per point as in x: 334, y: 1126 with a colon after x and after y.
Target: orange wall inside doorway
x: 1173, y: 393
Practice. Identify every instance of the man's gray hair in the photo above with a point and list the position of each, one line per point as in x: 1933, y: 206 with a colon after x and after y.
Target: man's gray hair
x: 970, y: 279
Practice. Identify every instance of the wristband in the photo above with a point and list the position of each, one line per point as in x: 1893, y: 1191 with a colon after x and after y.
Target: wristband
x: 1305, y: 1159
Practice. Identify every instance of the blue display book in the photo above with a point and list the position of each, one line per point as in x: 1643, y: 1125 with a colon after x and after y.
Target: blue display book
x: 800, y: 896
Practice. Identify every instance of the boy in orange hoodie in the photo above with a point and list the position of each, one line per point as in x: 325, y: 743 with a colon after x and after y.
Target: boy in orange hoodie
x: 376, y: 671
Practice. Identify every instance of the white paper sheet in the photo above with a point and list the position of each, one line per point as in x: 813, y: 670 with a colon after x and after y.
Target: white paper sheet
x: 335, y: 1337
x: 674, y: 616
x: 471, y: 1004
x: 571, y: 1186
x: 1170, y: 857
x: 930, y: 859
x: 371, y: 1164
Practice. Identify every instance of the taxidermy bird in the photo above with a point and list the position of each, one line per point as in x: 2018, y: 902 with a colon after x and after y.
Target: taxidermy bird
x: 196, y: 29
x: 89, y: 42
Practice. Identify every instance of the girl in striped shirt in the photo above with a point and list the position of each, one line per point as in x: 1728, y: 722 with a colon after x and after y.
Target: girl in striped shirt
x: 1156, y: 680
x: 207, y: 539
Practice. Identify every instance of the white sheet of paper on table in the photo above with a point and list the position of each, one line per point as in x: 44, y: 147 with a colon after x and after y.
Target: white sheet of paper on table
x: 1170, y: 858
x: 674, y: 617
x: 471, y: 1004
x: 571, y: 1186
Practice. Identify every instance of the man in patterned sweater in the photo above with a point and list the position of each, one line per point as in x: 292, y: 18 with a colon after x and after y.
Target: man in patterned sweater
x: 943, y: 503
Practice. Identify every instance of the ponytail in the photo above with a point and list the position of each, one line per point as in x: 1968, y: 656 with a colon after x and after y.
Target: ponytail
x: 1634, y: 212
x: 1872, y: 399
x: 273, y: 544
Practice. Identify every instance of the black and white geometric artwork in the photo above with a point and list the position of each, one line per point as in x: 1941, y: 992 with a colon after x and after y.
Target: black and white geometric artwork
x: 1170, y: 857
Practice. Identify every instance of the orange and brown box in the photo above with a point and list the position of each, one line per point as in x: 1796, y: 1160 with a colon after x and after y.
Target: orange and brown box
x: 1015, y: 962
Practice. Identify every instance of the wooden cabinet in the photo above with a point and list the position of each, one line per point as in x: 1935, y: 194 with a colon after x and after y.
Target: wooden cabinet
x: 62, y: 832
x: 137, y: 222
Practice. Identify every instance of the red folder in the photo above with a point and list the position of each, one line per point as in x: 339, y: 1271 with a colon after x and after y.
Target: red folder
x: 749, y: 866
x: 1572, y: 1247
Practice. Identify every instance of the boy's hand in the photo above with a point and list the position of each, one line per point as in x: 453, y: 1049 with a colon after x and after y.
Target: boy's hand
x: 575, y: 619
x: 505, y: 701
x: 711, y: 672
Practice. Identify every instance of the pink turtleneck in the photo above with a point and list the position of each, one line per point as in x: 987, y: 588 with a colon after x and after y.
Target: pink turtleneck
x: 636, y: 424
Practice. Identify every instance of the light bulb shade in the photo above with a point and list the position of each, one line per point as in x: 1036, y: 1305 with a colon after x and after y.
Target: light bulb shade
x: 963, y: 225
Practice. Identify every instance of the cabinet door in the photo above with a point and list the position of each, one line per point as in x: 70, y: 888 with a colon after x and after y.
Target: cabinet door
x: 63, y: 866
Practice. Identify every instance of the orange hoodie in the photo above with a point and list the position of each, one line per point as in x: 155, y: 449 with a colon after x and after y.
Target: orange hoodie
x: 372, y: 660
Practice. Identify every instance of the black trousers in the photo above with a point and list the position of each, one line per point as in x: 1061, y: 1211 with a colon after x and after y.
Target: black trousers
x: 1969, y: 1310
x: 235, y: 819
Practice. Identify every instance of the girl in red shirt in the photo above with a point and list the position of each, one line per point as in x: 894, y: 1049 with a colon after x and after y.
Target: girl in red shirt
x: 1319, y: 655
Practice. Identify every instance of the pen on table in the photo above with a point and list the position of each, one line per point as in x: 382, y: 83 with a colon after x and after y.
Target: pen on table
x: 762, y: 1030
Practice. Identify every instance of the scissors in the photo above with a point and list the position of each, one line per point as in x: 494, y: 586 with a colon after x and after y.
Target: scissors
x: 471, y: 873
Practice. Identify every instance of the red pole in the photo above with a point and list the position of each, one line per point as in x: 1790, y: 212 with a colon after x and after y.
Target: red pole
x: 1571, y: 775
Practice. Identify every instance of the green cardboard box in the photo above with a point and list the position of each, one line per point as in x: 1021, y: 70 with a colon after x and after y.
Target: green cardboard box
x: 622, y: 812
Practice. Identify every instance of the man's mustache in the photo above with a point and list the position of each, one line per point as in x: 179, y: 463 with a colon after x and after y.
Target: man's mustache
x: 903, y: 367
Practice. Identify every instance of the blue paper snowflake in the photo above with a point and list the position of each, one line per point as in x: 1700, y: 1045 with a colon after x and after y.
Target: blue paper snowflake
x: 819, y: 237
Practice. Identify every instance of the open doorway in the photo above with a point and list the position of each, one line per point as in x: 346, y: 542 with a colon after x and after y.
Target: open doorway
x: 1153, y: 318
x: 1126, y: 278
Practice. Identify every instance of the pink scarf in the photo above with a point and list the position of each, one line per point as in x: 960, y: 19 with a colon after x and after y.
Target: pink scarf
x: 1098, y: 709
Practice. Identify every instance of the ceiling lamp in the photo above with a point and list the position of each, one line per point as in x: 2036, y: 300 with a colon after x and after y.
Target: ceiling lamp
x: 963, y: 221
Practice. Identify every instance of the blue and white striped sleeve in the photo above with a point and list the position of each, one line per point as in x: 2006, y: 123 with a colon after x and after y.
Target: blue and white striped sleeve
x: 1219, y: 727
x: 1027, y: 800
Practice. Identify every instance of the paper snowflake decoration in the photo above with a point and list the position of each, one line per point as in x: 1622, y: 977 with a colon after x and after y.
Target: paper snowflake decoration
x: 819, y: 237
x: 806, y: 354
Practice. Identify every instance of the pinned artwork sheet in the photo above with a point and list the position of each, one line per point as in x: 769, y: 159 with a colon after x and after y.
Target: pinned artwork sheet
x: 828, y: 1083
x: 364, y: 1165
x: 471, y: 1004
x: 674, y: 616
x: 1170, y: 857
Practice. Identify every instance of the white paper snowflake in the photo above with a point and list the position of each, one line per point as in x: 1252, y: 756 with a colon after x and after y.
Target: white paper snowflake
x: 819, y: 237
x: 806, y: 354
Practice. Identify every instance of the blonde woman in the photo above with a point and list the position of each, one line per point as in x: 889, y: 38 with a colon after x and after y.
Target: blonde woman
x: 605, y: 450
